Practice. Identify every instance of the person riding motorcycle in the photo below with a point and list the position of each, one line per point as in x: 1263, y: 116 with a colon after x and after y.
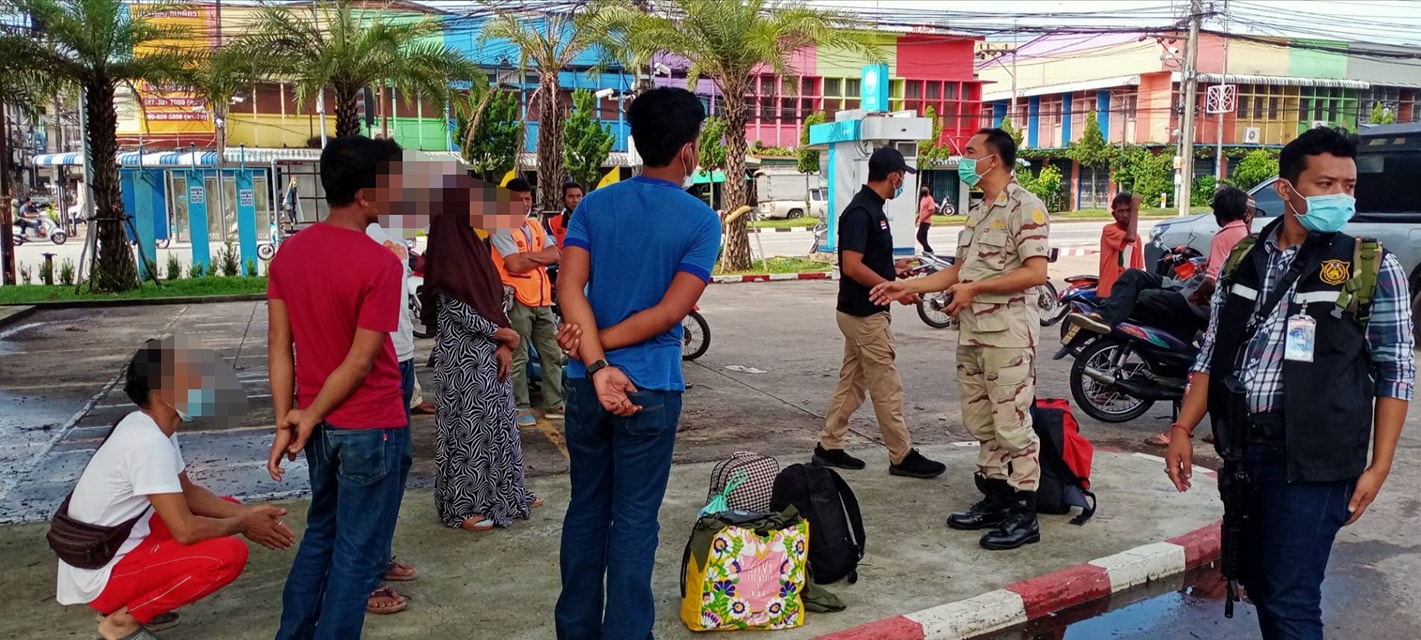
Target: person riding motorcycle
x: 30, y: 217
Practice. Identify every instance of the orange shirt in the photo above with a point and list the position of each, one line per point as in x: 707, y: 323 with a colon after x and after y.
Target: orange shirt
x: 1116, y: 256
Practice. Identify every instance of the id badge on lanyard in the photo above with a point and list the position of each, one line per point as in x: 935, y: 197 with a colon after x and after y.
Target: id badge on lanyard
x: 1300, y: 339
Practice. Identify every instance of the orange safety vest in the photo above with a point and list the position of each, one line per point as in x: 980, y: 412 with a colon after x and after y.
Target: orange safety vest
x: 533, y: 288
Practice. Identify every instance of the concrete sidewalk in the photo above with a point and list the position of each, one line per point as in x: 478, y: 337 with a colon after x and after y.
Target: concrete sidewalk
x: 503, y: 584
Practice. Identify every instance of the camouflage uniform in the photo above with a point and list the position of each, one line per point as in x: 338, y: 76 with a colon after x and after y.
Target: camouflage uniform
x: 996, y: 352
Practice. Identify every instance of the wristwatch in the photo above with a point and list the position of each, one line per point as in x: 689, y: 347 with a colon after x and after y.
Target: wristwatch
x: 596, y: 366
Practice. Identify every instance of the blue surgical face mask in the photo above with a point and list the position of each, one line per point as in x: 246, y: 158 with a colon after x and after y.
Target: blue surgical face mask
x: 1326, y: 214
x: 898, y: 192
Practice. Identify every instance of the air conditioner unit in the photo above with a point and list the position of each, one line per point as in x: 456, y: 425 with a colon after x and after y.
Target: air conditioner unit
x: 1252, y: 135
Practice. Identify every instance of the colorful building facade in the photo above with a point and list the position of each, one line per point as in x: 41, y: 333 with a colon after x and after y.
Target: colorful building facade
x: 1133, y: 83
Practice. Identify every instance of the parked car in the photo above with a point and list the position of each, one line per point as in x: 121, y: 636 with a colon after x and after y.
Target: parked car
x: 818, y: 206
x: 1388, y: 204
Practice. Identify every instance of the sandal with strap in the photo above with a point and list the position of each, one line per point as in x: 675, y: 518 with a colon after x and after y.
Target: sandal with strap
x: 477, y: 523
x: 397, y: 602
x: 399, y: 572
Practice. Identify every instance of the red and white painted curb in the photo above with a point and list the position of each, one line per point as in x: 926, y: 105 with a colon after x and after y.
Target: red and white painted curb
x: 773, y: 277
x: 1078, y: 251
x: 1041, y: 596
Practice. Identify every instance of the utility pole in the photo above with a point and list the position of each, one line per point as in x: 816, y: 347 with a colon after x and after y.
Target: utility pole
x: 1223, y: 82
x: 1186, y: 128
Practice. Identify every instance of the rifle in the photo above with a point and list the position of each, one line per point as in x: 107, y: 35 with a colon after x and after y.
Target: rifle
x: 1236, y: 488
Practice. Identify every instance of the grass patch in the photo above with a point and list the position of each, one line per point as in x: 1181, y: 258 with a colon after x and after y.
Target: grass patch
x: 186, y: 288
x: 949, y: 219
x: 781, y: 265
x: 787, y: 223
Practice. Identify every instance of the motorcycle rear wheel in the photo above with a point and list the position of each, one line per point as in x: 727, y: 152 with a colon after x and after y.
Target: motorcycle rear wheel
x: 931, y: 310
x: 1091, y: 395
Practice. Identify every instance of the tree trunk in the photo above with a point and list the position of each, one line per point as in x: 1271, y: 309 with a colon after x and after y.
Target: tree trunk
x: 7, y: 246
x: 347, y: 112
x: 114, y: 268
x: 550, y: 127
x: 737, y: 242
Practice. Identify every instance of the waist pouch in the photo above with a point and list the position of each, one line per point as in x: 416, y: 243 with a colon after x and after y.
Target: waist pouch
x: 83, y: 545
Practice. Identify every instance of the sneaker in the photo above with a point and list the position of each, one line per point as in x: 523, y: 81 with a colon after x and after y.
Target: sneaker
x: 555, y: 414
x: 1091, y: 322
x: 836, y: 458
x: 527, y: 419
x: 915, y: 465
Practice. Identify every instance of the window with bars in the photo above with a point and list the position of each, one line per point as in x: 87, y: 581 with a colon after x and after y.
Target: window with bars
x: 833, y: 87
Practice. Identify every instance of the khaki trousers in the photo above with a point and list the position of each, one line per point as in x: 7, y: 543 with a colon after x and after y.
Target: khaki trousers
x: 998, y: 385
x: 868, y: 369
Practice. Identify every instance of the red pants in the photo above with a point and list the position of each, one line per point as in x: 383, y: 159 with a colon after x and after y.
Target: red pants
x: 161, y: 574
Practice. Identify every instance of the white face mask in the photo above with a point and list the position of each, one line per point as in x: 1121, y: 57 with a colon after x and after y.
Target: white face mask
x: 690, y: 179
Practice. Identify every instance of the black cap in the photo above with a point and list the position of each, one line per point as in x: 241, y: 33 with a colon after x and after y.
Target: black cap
x: 886, y: 160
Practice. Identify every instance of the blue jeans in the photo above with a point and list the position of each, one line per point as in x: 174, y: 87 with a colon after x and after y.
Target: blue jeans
x: 407, y: 459
x: 355, y: 482
x: 1288, y: 545
x: 619, y: 469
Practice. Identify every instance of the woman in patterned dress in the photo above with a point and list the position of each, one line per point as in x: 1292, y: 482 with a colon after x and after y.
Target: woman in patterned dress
x: 478, y: 456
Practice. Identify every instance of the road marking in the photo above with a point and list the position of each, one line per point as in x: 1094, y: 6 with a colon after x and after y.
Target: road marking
x: 14, y: 330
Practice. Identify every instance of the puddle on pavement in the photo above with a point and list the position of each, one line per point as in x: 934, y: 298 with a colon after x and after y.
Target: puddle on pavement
x: 1148, y: 611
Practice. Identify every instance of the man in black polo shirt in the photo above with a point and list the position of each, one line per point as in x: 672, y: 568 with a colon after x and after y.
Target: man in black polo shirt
x: 865, y: 260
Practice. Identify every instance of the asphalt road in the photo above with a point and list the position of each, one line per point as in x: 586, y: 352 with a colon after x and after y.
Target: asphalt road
x: 943, y: 238
x: 1084, y: 234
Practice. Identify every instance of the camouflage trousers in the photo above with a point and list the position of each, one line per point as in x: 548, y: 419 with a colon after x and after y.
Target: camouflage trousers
x: 998, y: 385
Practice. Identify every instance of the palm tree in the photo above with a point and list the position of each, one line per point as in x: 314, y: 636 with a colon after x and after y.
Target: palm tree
x: 728, y: 41
x: 23, y: 90
x: 91, y: 44
x: 551, y: 41
x: 343, y: 49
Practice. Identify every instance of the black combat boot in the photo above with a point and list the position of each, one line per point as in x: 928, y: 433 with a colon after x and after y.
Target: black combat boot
x: 1019, y: 528
x: 989, y: 512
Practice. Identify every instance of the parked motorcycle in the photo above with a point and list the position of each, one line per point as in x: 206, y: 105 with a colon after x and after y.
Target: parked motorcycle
x: 47, y: 229
x: 414, y: 284
x: 1117, y: 377
x: 695, y: 335
x: 932, y: 307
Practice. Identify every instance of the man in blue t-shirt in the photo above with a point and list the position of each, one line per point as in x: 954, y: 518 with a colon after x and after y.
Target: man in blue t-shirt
x: 637, y: 257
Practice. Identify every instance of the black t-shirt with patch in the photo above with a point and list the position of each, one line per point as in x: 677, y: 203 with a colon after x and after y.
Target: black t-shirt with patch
x: 863, y: 228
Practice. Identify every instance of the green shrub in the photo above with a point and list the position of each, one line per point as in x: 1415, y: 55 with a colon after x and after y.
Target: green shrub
x: 251, y: 269
x: 195, y: 270
x: 175, y: 267
x: 227, y: 258
x: 66, y: 272
x: 25, y: 275
x: 46, y: 272
x: 150, y: 270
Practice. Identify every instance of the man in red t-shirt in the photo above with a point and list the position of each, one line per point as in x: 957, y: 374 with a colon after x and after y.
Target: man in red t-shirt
x: 334, y: 296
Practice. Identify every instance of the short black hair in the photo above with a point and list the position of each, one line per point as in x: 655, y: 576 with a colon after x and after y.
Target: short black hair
x: 1122, y: 197
x: 519, y: 185
x: 1002, y: 144
x: 1314, y: 142
x: 1230, y: 203
x: 925, y: 191
x: 569, y: 186
x: 352, y: 163
x: 145, y: 372
x: 663, y: 120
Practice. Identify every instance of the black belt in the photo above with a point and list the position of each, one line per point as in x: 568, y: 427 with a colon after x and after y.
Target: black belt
x: 1266, y: 427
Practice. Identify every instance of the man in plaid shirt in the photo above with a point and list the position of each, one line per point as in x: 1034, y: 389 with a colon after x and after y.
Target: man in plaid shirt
x: 1347, y: 363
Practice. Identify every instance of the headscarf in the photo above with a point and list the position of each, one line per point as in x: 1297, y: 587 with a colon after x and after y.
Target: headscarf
x: 459, y: 264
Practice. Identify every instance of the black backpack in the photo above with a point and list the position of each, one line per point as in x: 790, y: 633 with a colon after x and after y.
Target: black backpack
x: 1065, y: 461
x: 836, y: 536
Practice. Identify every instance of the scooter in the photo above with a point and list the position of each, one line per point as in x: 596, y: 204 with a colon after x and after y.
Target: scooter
x: 932, y: 307
x: 47, y: 229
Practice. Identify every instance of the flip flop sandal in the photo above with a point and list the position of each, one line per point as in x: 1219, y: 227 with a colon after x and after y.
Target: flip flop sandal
x: 399, y: 604
x: 480, y: 525
x: 1158, y: 440
x: 407, y: 574
x: 160, y: 622
x: 537, y: 502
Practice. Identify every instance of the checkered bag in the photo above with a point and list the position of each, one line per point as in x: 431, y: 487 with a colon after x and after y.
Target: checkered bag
x: 753, y: 493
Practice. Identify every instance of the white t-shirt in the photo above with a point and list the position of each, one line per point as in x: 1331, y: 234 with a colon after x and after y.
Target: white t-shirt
x: 403, y: 337
x: 139, y: 460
